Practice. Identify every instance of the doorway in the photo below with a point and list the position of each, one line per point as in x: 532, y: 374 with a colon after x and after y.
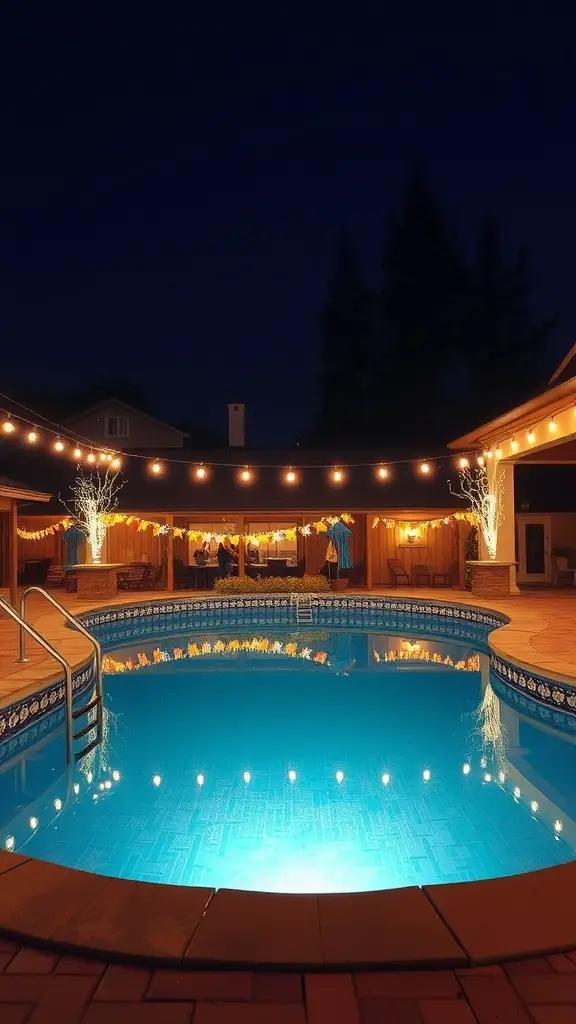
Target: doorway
x: 534, y: 561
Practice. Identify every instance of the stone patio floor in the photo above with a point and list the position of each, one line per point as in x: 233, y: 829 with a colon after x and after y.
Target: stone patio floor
x: 42, y: 987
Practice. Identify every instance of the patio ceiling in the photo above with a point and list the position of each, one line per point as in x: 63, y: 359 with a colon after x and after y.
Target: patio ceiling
x: 541, y: 430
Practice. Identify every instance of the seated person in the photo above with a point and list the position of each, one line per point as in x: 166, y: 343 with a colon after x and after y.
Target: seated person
x: 252, y: 554
x: 201, y: 555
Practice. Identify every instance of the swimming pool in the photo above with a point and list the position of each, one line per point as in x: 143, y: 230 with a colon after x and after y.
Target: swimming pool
x: 372, y: 749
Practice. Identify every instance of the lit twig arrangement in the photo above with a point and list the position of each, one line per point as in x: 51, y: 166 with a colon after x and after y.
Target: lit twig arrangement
x: 95, y: 497
x: 486, y: 498
x: 490, y: 729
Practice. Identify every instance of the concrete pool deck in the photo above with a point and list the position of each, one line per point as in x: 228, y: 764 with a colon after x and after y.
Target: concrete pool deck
x: 456, y: 927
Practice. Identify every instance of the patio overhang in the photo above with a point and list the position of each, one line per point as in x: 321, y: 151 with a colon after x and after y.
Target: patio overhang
x: 10, y: 494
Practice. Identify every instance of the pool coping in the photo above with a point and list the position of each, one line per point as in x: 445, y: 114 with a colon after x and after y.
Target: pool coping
x: 451, y: 925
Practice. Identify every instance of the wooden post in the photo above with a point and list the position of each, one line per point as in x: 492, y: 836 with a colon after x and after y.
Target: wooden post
x: 13, y: 541
x: 369, y: 551
x: 241, y: 525
x: 461, y: 525
x: 170, y: 554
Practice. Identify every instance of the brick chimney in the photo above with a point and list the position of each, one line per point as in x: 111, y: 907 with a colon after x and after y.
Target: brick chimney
x: 237, y: 425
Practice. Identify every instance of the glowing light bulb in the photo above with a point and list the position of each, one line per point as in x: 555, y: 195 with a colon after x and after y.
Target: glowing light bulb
x: 156, y: 780
x: 514, y: 444
x: 108, y: 784
x: 76, y: 788
x: 487, y: 777
x: 89, y: 778
x: 530, y: 436
x: 534, y: 805
x: 502, y: 777
x: 9, y: 842
x: 480, y: 460
x: 517, y: 792
x: 57, y: 804
x: 102, y: 456
x: 337, y: 476
x: 385, y: 779
x: 32, y: 436
x: 498, y: 452
x: 33, y: 823
x: 552, y: 425
x: 8, y: 427
x: 290, y: 477
x: 558, y: 825
x: 91, y: 457
x: 116, y: 775
x: 245, y: 476
x: 488, y: 453
x: 383, y: 472
x: 116, y: 463
x: 200, y: 779
x: 200, y: 473
x: 424, y: 467
x: 466, y: 769
x: 108, y: 457
x: 339, y: 776
x: 464, y: 463
x: 58, y: 446
x: 292, y: 775
x: 156, y: 467
x: 426, y: 775
x: 77, y: 453
x: 246, y: 776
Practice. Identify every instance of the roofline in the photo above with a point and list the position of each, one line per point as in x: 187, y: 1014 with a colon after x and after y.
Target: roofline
x: 397, y: 512
x: 563, y: 364
x: 24, y: 493
x: 132, y: 408
x: 521, y: 415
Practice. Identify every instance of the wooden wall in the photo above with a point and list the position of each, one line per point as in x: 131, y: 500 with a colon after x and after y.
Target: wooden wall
x: 439, y: 550
x: 316, y: 544
x: 126, y: 544
x: 46, y: 547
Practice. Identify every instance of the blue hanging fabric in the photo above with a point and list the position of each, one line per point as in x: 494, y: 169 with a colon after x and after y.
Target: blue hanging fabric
x: 72, y: 538
x: 339, y: 533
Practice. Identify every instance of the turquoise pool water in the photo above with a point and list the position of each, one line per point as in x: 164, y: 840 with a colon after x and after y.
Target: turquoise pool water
x: 323, y: 759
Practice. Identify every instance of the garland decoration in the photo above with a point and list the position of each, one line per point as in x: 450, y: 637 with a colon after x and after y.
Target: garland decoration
x: 466, y: 517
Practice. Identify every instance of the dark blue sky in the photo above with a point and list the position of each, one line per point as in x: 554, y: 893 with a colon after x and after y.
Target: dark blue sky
x: 172, y: 188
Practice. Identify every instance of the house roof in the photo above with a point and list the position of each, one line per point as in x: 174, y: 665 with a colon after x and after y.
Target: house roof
x: 71, y: 420
x: 12, y: 489
x: 567, y: 368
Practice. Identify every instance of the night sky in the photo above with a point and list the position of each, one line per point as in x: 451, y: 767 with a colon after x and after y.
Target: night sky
x: 172, y: 189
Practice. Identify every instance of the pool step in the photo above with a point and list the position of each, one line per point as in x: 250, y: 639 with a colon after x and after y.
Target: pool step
x: 96, y: 726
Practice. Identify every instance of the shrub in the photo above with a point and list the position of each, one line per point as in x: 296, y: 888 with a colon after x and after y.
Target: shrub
x: 271, y: 585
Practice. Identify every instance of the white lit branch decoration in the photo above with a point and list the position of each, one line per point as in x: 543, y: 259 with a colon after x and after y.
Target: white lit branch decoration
x: 486, y: 498
x: 94, y: 499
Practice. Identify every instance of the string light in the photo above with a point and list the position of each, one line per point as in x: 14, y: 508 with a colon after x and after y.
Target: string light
x: 514, y: 444
x: 552, y: 425
x: 102, y: 456
x: 337, y: 476
x: 77, y: 453
x: 498, y: 452
x: 488, y: 453
x: 245, y: 475
x: 58, y: 446
x: 200, y: 473
x: 382, y: 473
x: 480, y: 460
x: 32, y: 436
x: 424, y: 467
x: 108, y: 457
x: 530, y: 436
x: 91, y: 457
x: 156, y: 468
x: 8, y: 426
x: 116, y: 463
x: 290, y: 477
x: 464, y: 462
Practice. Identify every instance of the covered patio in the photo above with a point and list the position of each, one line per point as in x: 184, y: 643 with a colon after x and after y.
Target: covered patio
x: 540, y: 432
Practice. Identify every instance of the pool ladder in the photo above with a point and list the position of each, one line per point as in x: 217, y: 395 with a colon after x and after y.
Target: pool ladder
x: 96, y: 702
x: 303, y: 604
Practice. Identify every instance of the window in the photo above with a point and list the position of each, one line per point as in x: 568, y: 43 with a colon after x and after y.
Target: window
x: 219, y: 527
x: 117, y: 426
x: 280, y: 548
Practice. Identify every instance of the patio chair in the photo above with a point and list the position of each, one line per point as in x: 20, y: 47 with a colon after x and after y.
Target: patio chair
x: 155, y: 578
x: 420, y: 572
x: 446, y: 579
x: 137, y: 578
x: 563, y: 573
x: 398, y: 574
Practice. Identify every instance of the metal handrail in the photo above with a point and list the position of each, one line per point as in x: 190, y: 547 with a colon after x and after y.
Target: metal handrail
x: 71, y: 618
x: 55, y: 654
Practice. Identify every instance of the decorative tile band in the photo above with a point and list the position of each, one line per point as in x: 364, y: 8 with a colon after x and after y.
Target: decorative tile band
x: 549, y: 692
x: 534, y: 708
x: 26, y: 712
